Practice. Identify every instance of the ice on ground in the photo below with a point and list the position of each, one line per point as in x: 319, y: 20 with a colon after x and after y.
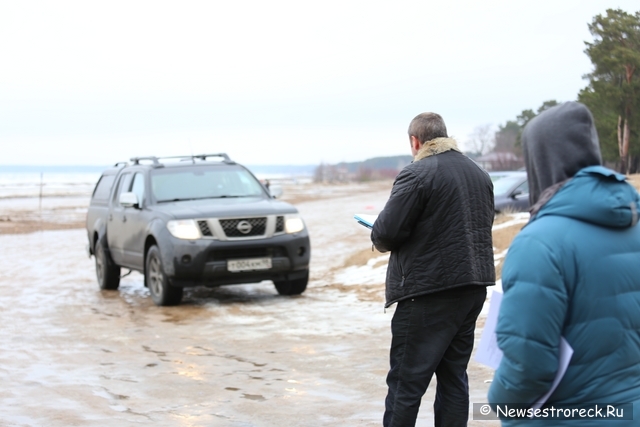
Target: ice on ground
x: 235, y: 356
x: 373, y: 273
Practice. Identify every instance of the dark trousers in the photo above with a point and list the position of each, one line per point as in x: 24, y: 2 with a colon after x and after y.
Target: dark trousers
x: 432, y: 333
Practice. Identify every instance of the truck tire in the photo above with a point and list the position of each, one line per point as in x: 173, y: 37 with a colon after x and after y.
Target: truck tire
x: 107, y: 271
x: 292, y: 287
x: 162, y: 293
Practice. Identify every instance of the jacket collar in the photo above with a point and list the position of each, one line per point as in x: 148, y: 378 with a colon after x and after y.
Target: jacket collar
x: 436, y: 146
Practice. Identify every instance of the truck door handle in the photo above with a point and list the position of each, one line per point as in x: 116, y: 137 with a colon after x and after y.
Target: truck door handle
x: 124, y: 218
x: 110, y: 217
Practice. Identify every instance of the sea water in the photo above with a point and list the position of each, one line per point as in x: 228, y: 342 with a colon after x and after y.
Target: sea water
x: 62, y: 181
x: 33, y: 181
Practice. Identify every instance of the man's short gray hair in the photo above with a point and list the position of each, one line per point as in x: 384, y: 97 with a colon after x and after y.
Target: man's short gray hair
x: 427, y: 126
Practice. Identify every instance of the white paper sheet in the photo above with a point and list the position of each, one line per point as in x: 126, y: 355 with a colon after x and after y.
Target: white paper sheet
x: 564, y: 357
x: 489, y: 354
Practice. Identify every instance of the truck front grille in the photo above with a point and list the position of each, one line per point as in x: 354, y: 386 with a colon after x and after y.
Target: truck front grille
x: 244, y: 227
x: 204, y: 228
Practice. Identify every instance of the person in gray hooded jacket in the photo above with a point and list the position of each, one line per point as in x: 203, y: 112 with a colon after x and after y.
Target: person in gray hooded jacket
x: 437, y: 225
x: 573, y: 272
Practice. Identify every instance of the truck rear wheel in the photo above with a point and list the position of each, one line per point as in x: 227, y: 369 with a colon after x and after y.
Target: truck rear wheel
x: 162, y: 293
x: 107, y: 271
x: 292, y: 287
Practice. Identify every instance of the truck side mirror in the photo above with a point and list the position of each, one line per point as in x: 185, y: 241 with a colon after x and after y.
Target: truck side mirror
x: 129, y: 200
x: 275, y: 190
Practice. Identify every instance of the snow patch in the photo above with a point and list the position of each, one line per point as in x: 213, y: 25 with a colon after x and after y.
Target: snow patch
x: 367, y: 274
x: 518, y: 218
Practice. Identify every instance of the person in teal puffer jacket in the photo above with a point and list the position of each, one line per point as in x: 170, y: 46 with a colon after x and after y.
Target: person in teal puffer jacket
x: 572, y: 272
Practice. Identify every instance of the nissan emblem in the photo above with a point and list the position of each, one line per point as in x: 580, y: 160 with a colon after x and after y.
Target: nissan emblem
x: 244, y: 227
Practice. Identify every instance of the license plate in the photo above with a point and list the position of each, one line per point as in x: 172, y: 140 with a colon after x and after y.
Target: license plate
x: 236, y: 265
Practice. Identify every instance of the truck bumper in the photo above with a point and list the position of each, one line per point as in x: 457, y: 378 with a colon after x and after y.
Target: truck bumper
x: 204, y: 261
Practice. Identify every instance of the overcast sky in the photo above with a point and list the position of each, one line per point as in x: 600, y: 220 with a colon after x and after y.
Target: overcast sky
x: 275, y: 82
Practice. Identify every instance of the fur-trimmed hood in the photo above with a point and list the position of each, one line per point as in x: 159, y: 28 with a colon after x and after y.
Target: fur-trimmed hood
x: 436, y: 146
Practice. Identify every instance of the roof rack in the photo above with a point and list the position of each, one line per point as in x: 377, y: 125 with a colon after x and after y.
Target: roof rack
x: 156, y: 160
x: 223, y: 155
x: 136, y: 160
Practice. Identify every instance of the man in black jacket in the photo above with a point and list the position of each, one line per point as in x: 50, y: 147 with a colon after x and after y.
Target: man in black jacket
x: 437, y: 225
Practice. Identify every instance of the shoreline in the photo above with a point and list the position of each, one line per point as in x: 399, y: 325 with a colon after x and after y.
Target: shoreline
x: 23, y: 214
x: 8, y: 227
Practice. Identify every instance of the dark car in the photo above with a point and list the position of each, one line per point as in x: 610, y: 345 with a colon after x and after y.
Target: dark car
x: 194, y: 222
x: 511, y: 191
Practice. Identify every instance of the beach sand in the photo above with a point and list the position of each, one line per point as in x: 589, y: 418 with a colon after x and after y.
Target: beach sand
x: 231, y: 356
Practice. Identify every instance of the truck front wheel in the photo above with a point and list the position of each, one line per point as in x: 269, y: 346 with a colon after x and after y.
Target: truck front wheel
x: 107, y: 271
x: 292, y: 287
x: 162, y: 293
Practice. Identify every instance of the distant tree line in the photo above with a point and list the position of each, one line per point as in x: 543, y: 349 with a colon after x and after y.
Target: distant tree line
x: 502, y: 149
x: 373, y: 169
x: 612, y: 95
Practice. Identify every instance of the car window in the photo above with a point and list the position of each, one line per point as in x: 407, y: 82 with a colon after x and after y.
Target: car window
x: 504, y: 183
x: 203, y: 183
x: 138, y: 187
x: 523, y: 188
x: 123, y: 186
x: 103, y: 188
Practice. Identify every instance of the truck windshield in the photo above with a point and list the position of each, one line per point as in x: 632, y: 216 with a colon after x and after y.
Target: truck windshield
x: 171, y: 185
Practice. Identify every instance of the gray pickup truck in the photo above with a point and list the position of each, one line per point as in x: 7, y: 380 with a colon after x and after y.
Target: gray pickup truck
x: 191, y: 221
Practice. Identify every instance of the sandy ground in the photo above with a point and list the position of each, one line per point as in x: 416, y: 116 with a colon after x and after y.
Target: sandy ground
x: 29, y: 214
x: 235, y: 356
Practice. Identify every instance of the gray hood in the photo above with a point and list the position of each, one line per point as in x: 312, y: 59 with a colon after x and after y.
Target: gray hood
x: 224, y: 208
x: 557, y: 144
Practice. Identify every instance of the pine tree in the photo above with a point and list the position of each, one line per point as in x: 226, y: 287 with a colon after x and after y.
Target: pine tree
x: 614, y: 85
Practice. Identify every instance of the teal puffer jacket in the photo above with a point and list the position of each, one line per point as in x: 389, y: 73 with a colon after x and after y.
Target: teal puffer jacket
x: 574, y: 271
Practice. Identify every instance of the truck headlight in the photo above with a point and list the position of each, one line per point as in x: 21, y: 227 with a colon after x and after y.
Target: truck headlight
x: 184, y: 229
x: 293, y: 224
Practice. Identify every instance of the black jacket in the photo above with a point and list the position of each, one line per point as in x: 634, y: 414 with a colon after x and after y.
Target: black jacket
x: 437, y: 224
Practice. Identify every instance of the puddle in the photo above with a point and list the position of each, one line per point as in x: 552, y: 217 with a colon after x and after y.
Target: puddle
x: 255, y: 397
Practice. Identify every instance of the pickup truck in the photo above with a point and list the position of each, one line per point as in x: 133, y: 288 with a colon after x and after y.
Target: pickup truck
x: 191, y: 221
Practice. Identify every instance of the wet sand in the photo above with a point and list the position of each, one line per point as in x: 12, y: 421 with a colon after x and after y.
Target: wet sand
x: 231, y: 356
